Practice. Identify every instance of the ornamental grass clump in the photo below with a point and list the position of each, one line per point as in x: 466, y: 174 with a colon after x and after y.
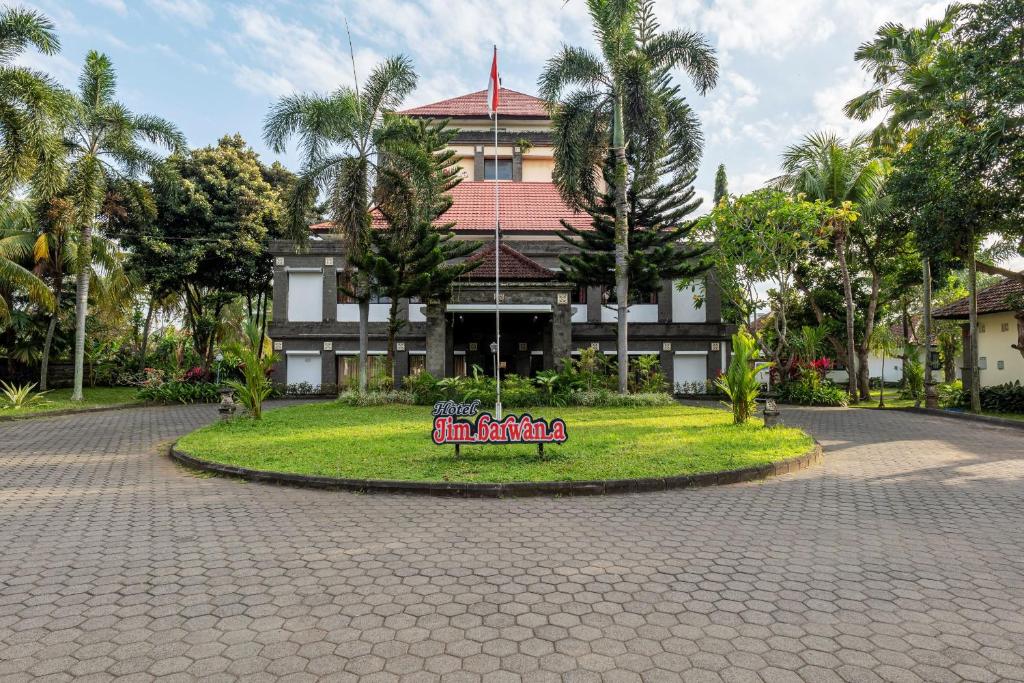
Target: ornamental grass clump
x: 739, y: 383
x: 15, y: 397
x: 255, y: 366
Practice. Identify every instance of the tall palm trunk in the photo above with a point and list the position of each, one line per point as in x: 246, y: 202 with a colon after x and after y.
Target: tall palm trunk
x: 621, y: 246
x: 848, y: 295
x: 82, y: 307
x: 145, y: 335
x: 364, y: 341
x: 44, y: 364
x: 864, y: 369
x: 393, y: 325
x: 972, y: 308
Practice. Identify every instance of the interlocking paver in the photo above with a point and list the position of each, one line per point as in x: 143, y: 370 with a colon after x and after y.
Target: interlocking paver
x: 901, y: 558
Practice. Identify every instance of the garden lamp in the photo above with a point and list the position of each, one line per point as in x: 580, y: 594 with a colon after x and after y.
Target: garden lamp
x: 219, y: 357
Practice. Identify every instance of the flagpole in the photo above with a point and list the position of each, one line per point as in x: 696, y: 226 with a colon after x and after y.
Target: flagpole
x: 497, y: 259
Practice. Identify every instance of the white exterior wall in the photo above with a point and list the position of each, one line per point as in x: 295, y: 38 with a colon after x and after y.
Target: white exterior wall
x: 305, y: 296
x: 684, y: 308
x: 303, y: 367
x: 349, y: 313
x: 994, y: 345
x: 637, y: 313
x: 689, y: 367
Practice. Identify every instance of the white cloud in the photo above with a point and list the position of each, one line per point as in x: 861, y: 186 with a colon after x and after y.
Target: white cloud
x: 117, y: 6
x: 849, y: 82
x: 767, y: 27
x: 725, y: 104
x: 195, y: 12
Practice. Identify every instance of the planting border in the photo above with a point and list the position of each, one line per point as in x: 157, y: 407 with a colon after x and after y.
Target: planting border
x: 510, y: 489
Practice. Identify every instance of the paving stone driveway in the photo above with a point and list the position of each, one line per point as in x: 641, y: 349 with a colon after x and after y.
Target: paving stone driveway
x: 901, y: 558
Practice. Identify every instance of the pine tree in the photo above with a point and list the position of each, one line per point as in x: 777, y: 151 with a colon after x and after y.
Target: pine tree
x: 657, y: 225
x: 721, y: 184
x: 409, y: 255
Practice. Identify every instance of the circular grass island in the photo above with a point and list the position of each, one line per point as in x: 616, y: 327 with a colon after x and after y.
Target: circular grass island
x: 389, y: 448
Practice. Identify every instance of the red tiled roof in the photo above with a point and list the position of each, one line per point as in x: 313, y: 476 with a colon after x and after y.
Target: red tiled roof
x: 524, y: 207
x: 514, y: 266
x: 511, y: 104
x: 994, y: 299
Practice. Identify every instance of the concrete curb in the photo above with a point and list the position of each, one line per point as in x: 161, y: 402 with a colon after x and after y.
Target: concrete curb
x: 970, y: 417
x: 510, y: 489
x: 74, y: 411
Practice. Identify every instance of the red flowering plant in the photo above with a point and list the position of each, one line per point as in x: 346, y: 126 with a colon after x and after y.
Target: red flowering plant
x: 195, y: 375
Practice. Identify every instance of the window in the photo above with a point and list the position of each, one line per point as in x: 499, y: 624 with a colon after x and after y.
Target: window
x: 345, y: 284
x: 635, y: 296
x: 1005, y: 327
x: 504, y: 169
x: 459, y: 366
x: 983, y: 363
x: 1000, y: 365
x: 378, y: 372
x: 417, y: 364
x: 981, y: 329
x: 580, y: 295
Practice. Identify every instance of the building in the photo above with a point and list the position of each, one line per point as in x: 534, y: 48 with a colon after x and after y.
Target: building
x: 1000, y: 328
x: 544, y: 318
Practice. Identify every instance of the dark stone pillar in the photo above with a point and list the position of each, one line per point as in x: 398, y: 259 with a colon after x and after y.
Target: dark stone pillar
x: 561, y: 332
x: 549, y: 357
x: 593, y: 304
x: 330, y: 291
x: 401, y: 367
x: 665, y: 301
x: 667, y: 361
x: 280, y: 307
x: 517, y: 164
x: 437, y: 340
x: 328, y: 368
x: 478, y: 162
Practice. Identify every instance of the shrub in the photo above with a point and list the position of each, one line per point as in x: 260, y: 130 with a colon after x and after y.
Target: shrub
x: 603, y: 398
x: 519, y: 392
x: 913, y: 372
x: 255, y: 386
x: 952, y: 395
x: 740, y: 382
x: 15, y: 397
x: 424, y: 388
x: 1002, y: 398
x: 376, y: 398
x: 823, y: 393
x: 179, y: 392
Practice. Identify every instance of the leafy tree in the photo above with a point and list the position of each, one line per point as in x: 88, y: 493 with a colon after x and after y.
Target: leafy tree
x: 340, y: 137
x: 846, y: 177
x: 721, y: 184
x: 31, y: 105
x: 215, y: 216
x: 408, y: 255
x: 759, y: 238
x: 17, y: 237
x: 601, y: 102
x: 105, y: 143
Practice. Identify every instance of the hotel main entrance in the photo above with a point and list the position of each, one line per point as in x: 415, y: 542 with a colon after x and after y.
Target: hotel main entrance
x: 524, y: 337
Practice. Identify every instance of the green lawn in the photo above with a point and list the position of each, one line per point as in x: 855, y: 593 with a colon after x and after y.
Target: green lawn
x: 892, y: 400
x: 394, y: 442
x: 60, y: 399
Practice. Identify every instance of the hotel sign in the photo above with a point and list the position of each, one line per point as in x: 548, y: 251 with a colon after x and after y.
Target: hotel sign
x: 462, y: 423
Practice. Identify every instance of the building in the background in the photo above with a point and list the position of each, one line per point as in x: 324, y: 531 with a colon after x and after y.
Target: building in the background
x: 544, y: 318
x: 998, y: 332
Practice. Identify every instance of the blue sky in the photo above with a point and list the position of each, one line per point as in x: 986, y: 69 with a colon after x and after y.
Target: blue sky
x: 214, y: 67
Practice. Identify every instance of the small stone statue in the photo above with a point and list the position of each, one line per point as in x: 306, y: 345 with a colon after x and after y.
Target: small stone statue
x: 227, y: 404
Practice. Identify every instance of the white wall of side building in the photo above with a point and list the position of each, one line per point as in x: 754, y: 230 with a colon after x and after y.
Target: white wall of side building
x: 995, y: 347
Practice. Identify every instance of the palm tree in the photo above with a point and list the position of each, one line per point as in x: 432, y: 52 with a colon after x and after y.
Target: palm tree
x: 106, y: 142
x: 902, y: 64
x: 624, y: 91
x: 17, y: 237
x: 340, y: 136
x: 30, y: 103
x: 846, y: 176
x: 56, y: 253
x: 884, y: 342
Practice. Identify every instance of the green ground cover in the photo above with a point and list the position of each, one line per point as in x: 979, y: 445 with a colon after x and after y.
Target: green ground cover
x: 394, y: 442
x: 60, y: 399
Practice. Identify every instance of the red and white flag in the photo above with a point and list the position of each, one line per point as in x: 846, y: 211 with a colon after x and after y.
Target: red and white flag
x: 493, y: 86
